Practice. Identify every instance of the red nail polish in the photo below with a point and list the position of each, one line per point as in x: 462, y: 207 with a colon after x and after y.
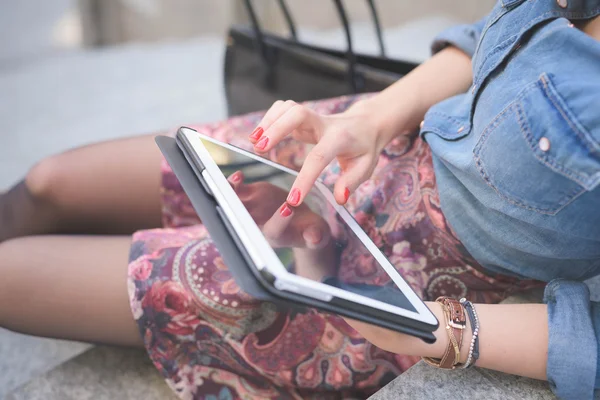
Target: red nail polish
x: 235, y: 177
x: 285, y: 211
x: 257, y: 133
x: 294, y: 197
x: 346, y: 194
x: 262, y: 143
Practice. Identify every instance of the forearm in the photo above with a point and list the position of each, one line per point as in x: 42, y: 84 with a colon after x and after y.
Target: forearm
x: 400, y: 108
x: 513, y: 338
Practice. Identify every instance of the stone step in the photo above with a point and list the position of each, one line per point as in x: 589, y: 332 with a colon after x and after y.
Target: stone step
x: 23, y: 357
x: 422, y: 382
x: 100, y: 373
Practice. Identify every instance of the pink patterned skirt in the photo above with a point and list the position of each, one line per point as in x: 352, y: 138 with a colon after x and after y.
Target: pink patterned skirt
x: 212, y: 341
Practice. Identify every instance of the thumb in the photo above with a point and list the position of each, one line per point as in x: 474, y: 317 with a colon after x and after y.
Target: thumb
x: 350, y: 179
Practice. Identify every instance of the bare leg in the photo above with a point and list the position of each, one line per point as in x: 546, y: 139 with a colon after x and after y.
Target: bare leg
x: 107, y: 188
x: 67, y: 287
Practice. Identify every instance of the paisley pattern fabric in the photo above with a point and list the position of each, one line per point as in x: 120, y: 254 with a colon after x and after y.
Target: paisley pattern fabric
x: 212, y: 341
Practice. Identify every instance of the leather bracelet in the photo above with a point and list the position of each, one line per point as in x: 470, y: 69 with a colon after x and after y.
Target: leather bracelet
x: 456, y: 322
x: 474, y: 346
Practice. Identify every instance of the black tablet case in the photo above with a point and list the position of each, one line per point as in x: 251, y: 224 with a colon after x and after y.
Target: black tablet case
x: 240, y: 264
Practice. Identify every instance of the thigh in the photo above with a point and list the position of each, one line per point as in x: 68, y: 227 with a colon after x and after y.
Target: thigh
x: 68, y: 287
x: 107, y: 187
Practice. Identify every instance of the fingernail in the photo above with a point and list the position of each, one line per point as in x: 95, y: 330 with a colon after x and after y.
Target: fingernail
x: 346, y: 194
x: 257, y: 133
x: 312, y: 235
x: 236, y: 177
x: 285, y: 211
x: 262, y: 143
x: 294, y: 197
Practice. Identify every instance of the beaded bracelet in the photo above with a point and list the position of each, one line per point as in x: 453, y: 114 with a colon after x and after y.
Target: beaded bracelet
x: 474, y: 347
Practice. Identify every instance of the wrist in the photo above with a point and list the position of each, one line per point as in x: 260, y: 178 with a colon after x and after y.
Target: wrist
x: 388, y: 121
x: 439, y: 348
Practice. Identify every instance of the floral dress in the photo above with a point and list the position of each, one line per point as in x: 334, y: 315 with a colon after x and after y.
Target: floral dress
x: 212, y: 341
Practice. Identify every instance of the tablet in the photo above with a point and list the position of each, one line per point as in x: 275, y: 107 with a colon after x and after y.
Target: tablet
x: 279, y: 272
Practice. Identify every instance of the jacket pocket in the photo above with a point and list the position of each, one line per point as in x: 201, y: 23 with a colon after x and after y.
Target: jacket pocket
x: 535, y: 154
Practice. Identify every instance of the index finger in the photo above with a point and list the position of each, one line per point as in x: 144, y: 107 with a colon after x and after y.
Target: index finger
x: 277, y: 110
x: 316, y: 161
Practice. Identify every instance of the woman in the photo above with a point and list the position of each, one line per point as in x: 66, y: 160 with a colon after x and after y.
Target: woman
x: 502, y: 197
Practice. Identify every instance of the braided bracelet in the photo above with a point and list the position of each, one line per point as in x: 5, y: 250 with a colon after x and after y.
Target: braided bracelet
x: 456, y: 321
x: 474, y: 347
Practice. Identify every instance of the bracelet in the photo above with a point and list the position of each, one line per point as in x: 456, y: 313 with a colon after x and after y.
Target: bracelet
x: 474, y: 347
x: 456, y: 322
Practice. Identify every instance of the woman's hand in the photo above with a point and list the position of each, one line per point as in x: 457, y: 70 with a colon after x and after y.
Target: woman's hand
x: 357, y: 136
x: 352, y: 137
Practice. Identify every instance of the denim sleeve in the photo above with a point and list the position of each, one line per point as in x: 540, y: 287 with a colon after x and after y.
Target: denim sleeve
x: 573, y: 334
x: 465, y: 37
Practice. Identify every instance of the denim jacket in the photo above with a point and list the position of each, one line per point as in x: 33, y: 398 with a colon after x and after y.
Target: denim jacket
x: 517, y: 161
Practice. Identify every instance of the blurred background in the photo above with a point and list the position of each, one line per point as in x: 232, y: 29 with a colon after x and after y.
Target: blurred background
x: 79, y: 71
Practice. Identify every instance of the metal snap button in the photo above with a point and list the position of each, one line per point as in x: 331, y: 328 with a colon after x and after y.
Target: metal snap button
x: 563, y: 3
x: 544, y: 144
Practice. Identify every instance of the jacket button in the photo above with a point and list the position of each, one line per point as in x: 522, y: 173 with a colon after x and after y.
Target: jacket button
x: 563, y: 3
x: 544, y: 144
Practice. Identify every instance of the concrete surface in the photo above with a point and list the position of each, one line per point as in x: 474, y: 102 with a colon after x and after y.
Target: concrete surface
x: 103, y: 373
x: 422, y: 382
x: 88, y: 96
x: 23, y: 357
x: 34, y: 29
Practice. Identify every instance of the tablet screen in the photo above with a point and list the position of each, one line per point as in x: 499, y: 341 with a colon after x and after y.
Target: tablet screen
x: 331, y: 253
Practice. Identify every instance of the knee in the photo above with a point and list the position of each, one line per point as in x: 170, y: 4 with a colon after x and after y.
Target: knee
x: 15, y: 284
x: 7, y: 278
x: 43, y: 180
